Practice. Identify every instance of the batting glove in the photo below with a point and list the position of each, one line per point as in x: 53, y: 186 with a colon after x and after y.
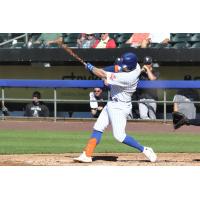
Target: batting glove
x: 89, y: 67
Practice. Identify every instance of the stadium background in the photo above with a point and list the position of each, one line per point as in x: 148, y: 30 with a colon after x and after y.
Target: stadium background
x: 176, y: 60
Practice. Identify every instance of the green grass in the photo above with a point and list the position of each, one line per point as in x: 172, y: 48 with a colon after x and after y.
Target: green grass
x: 25, y: 142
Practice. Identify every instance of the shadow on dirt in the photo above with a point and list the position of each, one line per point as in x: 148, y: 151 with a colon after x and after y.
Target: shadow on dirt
x: 105, y: 158
x: 196, y: 160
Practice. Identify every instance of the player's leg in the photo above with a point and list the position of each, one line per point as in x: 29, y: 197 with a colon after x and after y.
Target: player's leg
x: 118, y: 119
x: 143, y: 110
x: 95, y: 138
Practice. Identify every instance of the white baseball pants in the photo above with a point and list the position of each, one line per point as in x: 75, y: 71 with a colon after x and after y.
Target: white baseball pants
x: 116, y: 114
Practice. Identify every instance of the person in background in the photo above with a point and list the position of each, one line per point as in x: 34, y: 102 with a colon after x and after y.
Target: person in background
x: 139, y: 40
x: 86, y: 40
x: 48, y: 39
x: 37, y: 108
x: 96, y: 102
x: 4, y: 109
x: 104, y: 42
x: 183, y: 101
x: 161, y: 39
x: 81, y: 37
x: 147, y: 97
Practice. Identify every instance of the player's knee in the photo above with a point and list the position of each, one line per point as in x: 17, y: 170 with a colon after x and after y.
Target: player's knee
x: 119, y: 137
x: 99, y: 128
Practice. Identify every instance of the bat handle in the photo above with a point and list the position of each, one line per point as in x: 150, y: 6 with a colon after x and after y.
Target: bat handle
x: 85, y: 64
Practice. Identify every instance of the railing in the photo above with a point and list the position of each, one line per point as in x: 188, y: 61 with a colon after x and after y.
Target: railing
x: 55, y: 84
x: 25, y: 36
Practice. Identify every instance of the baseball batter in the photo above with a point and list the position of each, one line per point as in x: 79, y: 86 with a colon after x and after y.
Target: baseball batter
x: 122, y: 86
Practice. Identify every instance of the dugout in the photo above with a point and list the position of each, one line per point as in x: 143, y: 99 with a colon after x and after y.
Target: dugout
x: 25, y: 63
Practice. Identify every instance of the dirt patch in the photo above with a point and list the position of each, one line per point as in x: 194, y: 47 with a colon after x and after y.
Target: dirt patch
x: 101, y: 159
x: 133, y: 126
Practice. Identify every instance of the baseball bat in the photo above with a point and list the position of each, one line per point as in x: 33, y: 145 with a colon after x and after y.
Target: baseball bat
x: 71, y: 52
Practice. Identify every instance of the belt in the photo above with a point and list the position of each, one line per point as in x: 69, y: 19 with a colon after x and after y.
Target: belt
x: 117, y: 100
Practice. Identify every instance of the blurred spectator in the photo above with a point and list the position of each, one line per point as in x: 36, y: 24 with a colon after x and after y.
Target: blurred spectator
x: 139, y: 40
x: 160, y: 38
x: 147, y: 97
x: 4, y: 109
x: 104, y: 42
x: 183, y: 100
x: 86, y: 40
x: 80, y: 39
x: 96, y: 102
x: 37, y: 108
x: 48, y: 39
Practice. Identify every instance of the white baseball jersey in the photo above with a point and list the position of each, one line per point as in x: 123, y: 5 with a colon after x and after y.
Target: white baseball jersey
x: 123, y: 84
x: 117, y: 110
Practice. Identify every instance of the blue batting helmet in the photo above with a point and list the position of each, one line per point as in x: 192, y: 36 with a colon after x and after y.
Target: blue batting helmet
x: 128, y: 60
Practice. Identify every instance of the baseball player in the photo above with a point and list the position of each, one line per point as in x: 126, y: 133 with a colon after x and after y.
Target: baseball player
x: 122, y: 86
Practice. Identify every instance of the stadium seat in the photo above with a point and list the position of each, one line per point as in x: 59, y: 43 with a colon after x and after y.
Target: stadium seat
x: 158, y: 45
x: 53, y: 45
x: 3, y: 37
x: 34, y: 36
x: 196, y: 45
x: 122, y: 38
x: 181, y: 45
x: 72, y: 44
x: 195, y: 38
x: 124, y: 45
x: 18, y: 45
x: 180, y: 37
x: 70, y: 38
x: 113, y: 35
x: 37, y: 45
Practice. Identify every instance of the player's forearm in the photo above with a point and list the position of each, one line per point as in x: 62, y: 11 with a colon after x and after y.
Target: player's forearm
x: 96, y: 71
x: 99, y: 72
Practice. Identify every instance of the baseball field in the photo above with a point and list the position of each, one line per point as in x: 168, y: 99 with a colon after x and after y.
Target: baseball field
x: 44, y: 143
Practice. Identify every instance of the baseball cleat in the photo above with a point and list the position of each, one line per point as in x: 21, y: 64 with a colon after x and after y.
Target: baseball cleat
x: 149, y: 153
x: 83, y: 158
